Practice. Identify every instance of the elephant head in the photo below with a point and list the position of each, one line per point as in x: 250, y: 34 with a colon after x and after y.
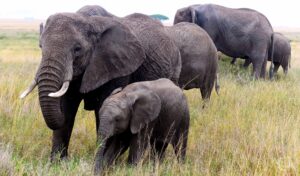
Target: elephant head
x: 121, y: 111
x: 94, y: 50
x: 132, y: 109
x: 186, y: 14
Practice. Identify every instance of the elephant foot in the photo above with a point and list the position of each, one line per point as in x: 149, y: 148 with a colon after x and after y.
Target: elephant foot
x: 58, y: 155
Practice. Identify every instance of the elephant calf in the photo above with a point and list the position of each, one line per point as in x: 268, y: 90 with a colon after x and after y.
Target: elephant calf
x: 199, y: 57
x: 149, y: 111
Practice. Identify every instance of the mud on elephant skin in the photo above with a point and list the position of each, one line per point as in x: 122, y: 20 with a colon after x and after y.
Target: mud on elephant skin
x: 87, y: 57
x: 235, y: 32
x: 143, y: 112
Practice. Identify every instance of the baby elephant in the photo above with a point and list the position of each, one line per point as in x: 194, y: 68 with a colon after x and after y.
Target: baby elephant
x: 154, y: 112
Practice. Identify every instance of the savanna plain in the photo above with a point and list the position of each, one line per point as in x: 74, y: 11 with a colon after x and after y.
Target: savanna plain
x: 251, y: 128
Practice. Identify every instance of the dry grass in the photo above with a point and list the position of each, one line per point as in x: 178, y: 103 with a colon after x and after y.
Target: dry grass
x: 252, y: 128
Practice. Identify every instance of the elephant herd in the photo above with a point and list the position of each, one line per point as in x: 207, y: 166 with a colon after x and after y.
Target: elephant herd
x: 128, y: 70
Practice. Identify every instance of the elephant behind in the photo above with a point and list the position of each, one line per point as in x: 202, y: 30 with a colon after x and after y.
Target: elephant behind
x: 87, y: 57
x: 243, y: 33
x: 154, y: 112
x: 282, y: 54
x: 199, y: 58
x: 94, y: 10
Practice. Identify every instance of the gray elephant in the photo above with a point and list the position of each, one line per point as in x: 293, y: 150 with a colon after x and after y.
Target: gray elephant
x: 198, y: 56
x: 94, y: 10
x: 282, y: 54
x: 154, y: 112
x: 87, y: 57
x: 243, y: 33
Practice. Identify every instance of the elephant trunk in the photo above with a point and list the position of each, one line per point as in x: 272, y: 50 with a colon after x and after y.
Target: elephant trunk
x: 50, y: 80
x: 105, y: 133
x: 99, y: 159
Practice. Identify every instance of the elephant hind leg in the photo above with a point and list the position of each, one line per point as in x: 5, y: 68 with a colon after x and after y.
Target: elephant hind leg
x: 179, y: 141
x: 276, y: 67
x: 179, y: 144
x: 206, y: 87
x: 247, y: 63
x: 258, y: 64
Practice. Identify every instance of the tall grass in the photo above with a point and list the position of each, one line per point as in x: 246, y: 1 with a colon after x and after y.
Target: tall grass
x: 251, y: 128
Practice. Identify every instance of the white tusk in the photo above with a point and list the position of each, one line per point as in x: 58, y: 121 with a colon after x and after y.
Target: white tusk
x: 62, y: 90
x: 28, y: 90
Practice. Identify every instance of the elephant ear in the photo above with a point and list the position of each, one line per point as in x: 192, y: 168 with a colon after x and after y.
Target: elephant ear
x: 117, y: 53
x: 146, y: 106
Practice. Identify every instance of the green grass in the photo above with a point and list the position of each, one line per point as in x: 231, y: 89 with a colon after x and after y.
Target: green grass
x: 251, y: 128
x: 16, y: 46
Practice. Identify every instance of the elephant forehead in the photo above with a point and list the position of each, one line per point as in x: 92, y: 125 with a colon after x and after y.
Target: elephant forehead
x: 114, y: 105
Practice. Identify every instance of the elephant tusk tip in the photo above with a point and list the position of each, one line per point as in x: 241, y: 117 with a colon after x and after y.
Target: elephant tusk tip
x: 62, y: 91
x: 52, y: 95
x: 22, y: 96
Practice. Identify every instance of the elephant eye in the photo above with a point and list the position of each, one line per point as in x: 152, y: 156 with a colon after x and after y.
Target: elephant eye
x: 77, y: 50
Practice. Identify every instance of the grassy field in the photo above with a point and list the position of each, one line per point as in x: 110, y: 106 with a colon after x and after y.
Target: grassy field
x: 252, y: 128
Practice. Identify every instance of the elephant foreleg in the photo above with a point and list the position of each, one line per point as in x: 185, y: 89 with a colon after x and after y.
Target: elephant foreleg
x: 138, y: 145
x: 61, y: 137
x: 108, y: 153
x: 159, y: 148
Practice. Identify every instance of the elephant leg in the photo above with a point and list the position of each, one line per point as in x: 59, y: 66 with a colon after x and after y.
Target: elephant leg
x: 257, y: 67
x: 138, y: 145
x: 111, y: 150
x: 206, y: 87
x: 61, y: 137
x: 247, y: 63
x: 179, y: 142
x: 264, y: 68
x: 115, y: 149
x: 159, y: 148
x: 276, y: 67
x: 233, y: 61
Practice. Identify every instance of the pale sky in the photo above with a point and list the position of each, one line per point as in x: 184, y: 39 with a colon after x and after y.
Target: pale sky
x: 280, y: 13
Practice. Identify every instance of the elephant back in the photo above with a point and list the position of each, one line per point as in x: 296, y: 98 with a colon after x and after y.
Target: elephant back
x: 162, y: 55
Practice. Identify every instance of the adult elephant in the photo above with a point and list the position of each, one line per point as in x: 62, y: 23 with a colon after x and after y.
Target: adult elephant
x: 199, y: 58
x: 243, y: 33
x: 282, y: 54
x: 87, y: 57
x: 94, y: 10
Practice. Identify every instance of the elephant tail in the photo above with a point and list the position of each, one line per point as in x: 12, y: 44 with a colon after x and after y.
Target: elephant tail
x: 217, y: 85
x: 271, y: 71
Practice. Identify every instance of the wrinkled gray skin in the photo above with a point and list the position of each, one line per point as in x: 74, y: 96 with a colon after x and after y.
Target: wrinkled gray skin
x: 240, y: 33
x: 94, y: 10
x: 198, y: 56
x: 149, y: 111
x: 96, y: 55
x: 282, y: 54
